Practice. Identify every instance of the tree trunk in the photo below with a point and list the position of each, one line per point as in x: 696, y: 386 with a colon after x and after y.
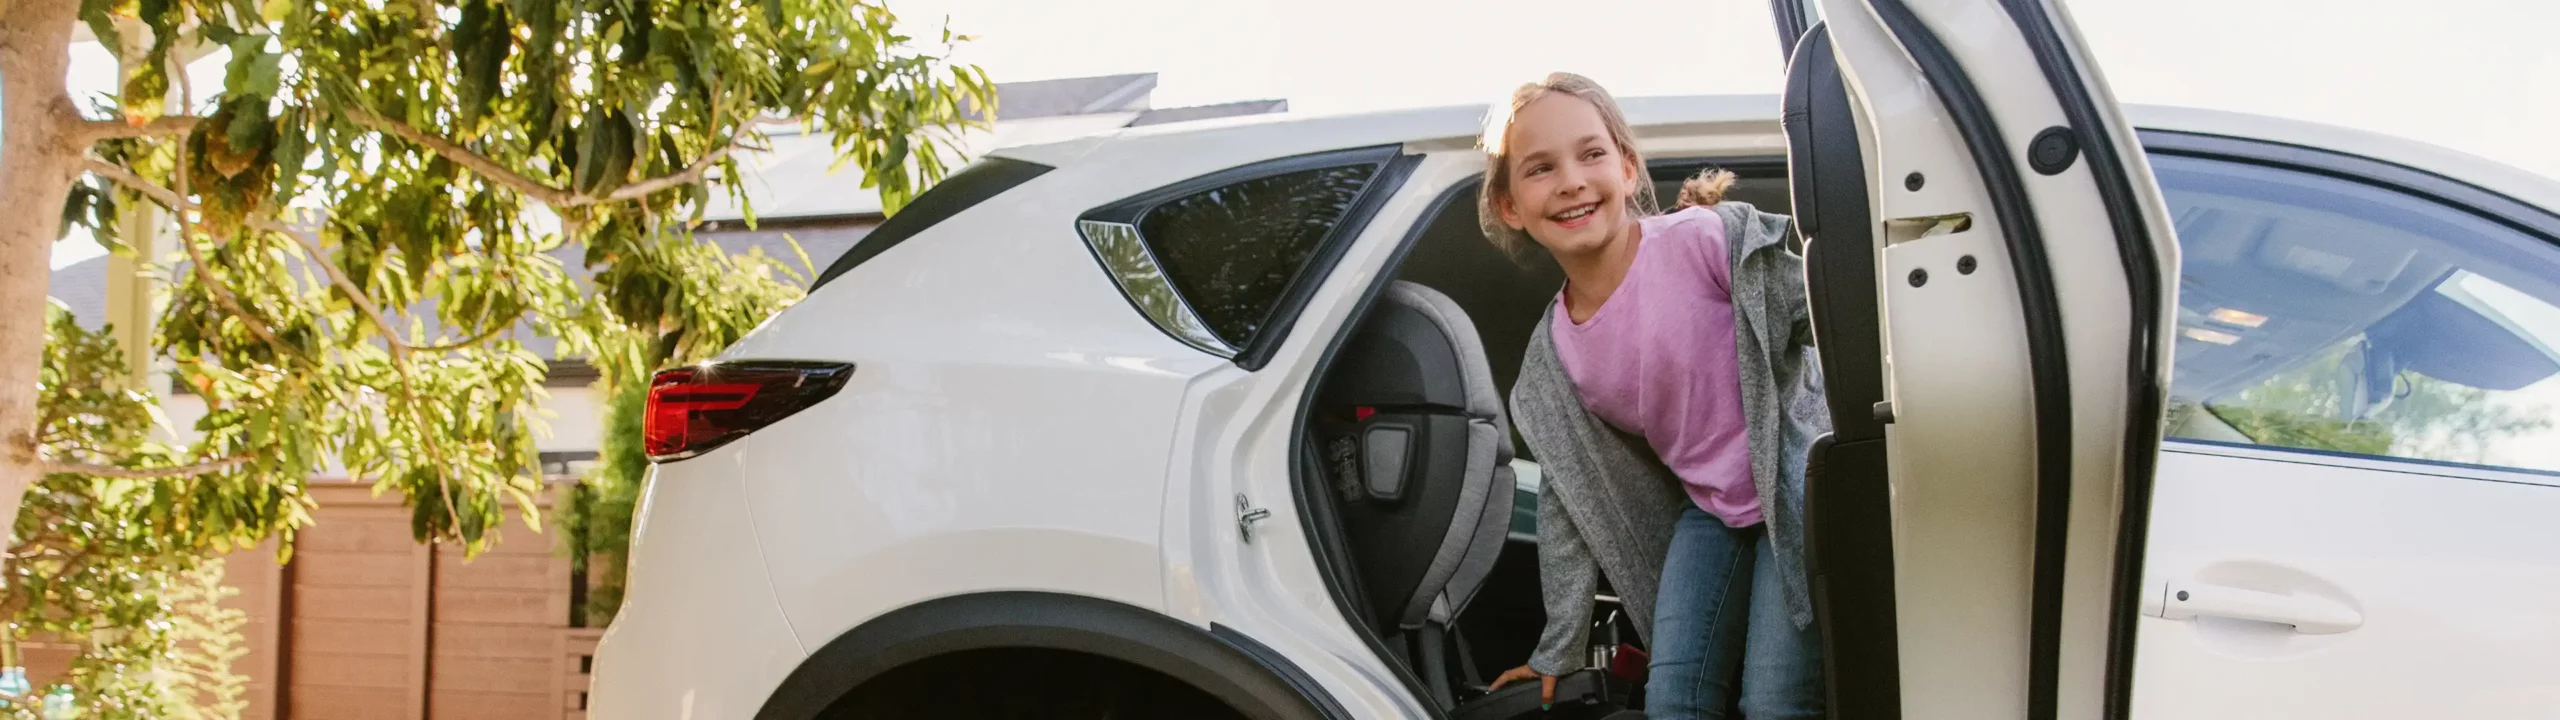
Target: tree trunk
x: 39, y: 158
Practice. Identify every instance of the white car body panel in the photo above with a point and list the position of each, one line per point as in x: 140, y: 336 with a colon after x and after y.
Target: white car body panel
x: 697, y: 584
x: 1013, y: 424
x: 1006, y: 425
x: 2455, y: 573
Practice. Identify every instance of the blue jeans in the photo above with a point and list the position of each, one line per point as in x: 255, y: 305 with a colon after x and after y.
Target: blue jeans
x: 1720, y: 618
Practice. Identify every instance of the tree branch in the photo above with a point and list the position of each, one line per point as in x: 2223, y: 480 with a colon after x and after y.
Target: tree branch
x: 178, y: 205
x: 337, y: 277
x: 92, y: 131
x: 484, y: 336
x: 364, y: 304
x: 149, y: 189
x: 538, y: 190
x: 690, y: 175
x: 462, y: 156
x: 109, y: 471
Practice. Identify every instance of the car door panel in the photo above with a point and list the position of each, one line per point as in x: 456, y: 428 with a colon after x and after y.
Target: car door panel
x: 2355, y: 522
x: 2453, y: 574
x: 2013, y: 427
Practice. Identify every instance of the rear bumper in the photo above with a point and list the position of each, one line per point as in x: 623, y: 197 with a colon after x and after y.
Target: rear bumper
x: 700, y: 634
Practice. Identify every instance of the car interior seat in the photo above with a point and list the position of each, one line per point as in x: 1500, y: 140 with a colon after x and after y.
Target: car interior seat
x: 1848, y: 513
x: 1417, y: 449
x: 1419, y: 453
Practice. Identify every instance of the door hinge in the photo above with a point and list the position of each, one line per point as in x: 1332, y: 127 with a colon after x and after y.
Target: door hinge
x: 1247, y: 515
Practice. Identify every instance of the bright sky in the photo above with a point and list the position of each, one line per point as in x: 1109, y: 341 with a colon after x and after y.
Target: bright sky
x: 2476, y: 75
x: 2481, y: 76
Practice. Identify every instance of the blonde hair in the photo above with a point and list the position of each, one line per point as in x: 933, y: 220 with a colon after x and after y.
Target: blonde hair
x: 1497, y: 153
x: 1705, y: 189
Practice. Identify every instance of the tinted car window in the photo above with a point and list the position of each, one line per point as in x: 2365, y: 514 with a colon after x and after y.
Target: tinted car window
x: 2326, y: 314
x: 1231, y: 251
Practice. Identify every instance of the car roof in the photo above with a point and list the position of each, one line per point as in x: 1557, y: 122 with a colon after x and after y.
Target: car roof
x: 1456, y: 126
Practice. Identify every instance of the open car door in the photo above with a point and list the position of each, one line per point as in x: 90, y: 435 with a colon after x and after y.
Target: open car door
x: 1991, y: 271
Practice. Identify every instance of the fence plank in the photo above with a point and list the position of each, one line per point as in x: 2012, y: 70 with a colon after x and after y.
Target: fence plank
x: 503, y: 675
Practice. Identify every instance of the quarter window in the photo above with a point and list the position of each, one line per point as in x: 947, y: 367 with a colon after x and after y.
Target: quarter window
x: 1232, y: 251
x: 2331, y: 315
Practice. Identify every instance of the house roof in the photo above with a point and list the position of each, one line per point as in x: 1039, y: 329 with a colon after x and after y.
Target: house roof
x: 799, y: 176
x: 1072, y: 96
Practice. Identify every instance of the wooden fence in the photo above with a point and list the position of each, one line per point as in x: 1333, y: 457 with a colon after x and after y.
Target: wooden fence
x: 367, y: 624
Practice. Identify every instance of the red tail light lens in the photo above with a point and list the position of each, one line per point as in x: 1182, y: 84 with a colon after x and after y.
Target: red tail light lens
x: 695, y: 409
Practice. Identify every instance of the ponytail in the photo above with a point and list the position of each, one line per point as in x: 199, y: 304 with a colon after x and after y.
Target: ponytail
x: 1706, y: 189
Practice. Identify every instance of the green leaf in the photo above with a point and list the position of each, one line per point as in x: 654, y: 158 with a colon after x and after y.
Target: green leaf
x: 484, y: 38
x: 293, y: 149
x: 100, y: 16
x: 250, y: 129
x: 266, y: 74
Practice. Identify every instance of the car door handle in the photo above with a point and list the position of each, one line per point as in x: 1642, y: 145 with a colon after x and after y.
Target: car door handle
x: 2308, y: 615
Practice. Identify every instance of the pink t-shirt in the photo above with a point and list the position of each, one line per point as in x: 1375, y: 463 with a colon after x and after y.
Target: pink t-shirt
x: 1657, y: 360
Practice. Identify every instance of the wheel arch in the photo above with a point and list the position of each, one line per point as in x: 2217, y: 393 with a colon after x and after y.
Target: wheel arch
x: 1228, y: 665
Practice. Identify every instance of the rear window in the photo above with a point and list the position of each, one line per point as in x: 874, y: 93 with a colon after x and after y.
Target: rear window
x: 955, y: 194
x: 1231, y: 251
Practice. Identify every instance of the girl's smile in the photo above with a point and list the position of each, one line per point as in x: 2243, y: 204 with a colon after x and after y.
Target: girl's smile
x: 1570, y: 185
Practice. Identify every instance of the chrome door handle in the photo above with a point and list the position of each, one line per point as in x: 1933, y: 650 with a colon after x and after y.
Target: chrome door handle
x: 2183, y: 600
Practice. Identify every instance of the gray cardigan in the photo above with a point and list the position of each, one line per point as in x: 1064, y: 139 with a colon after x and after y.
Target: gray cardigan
x: 1607, y: 504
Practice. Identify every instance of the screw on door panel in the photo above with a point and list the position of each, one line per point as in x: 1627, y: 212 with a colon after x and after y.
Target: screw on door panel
x: 1913, y: 181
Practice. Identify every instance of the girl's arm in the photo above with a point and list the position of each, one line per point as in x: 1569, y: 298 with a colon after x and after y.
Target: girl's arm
x: 1567, y: 576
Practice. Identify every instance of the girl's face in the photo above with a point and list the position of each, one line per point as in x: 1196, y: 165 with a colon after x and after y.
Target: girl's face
x: 1569, y: 182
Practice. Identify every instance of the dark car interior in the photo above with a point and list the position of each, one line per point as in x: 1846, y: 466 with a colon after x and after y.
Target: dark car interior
x: 1407, y: 467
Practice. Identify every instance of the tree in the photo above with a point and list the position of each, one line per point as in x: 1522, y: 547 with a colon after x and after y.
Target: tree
x: 368, y: 203
x: 374, y: 212
x: 2426, y: 418
x: 117, y: 564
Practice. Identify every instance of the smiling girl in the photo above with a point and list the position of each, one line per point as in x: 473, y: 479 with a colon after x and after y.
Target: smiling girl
x: 1670, y: 397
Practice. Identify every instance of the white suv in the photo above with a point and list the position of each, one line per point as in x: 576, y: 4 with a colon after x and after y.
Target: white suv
x: 1206, y: 420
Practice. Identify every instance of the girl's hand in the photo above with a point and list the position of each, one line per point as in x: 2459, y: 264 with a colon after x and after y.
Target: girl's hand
x: 1546, y: 695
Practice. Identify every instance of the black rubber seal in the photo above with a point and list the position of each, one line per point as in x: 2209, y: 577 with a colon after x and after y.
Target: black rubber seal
x: 2048, y: 363
x: 1280, y: 667
x: 1251, y: 679
x: 2524, y: 217
x: 2145, y: 379
x: 956, y: 194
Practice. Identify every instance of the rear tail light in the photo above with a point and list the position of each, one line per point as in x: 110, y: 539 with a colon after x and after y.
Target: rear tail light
x: 695, y: 409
